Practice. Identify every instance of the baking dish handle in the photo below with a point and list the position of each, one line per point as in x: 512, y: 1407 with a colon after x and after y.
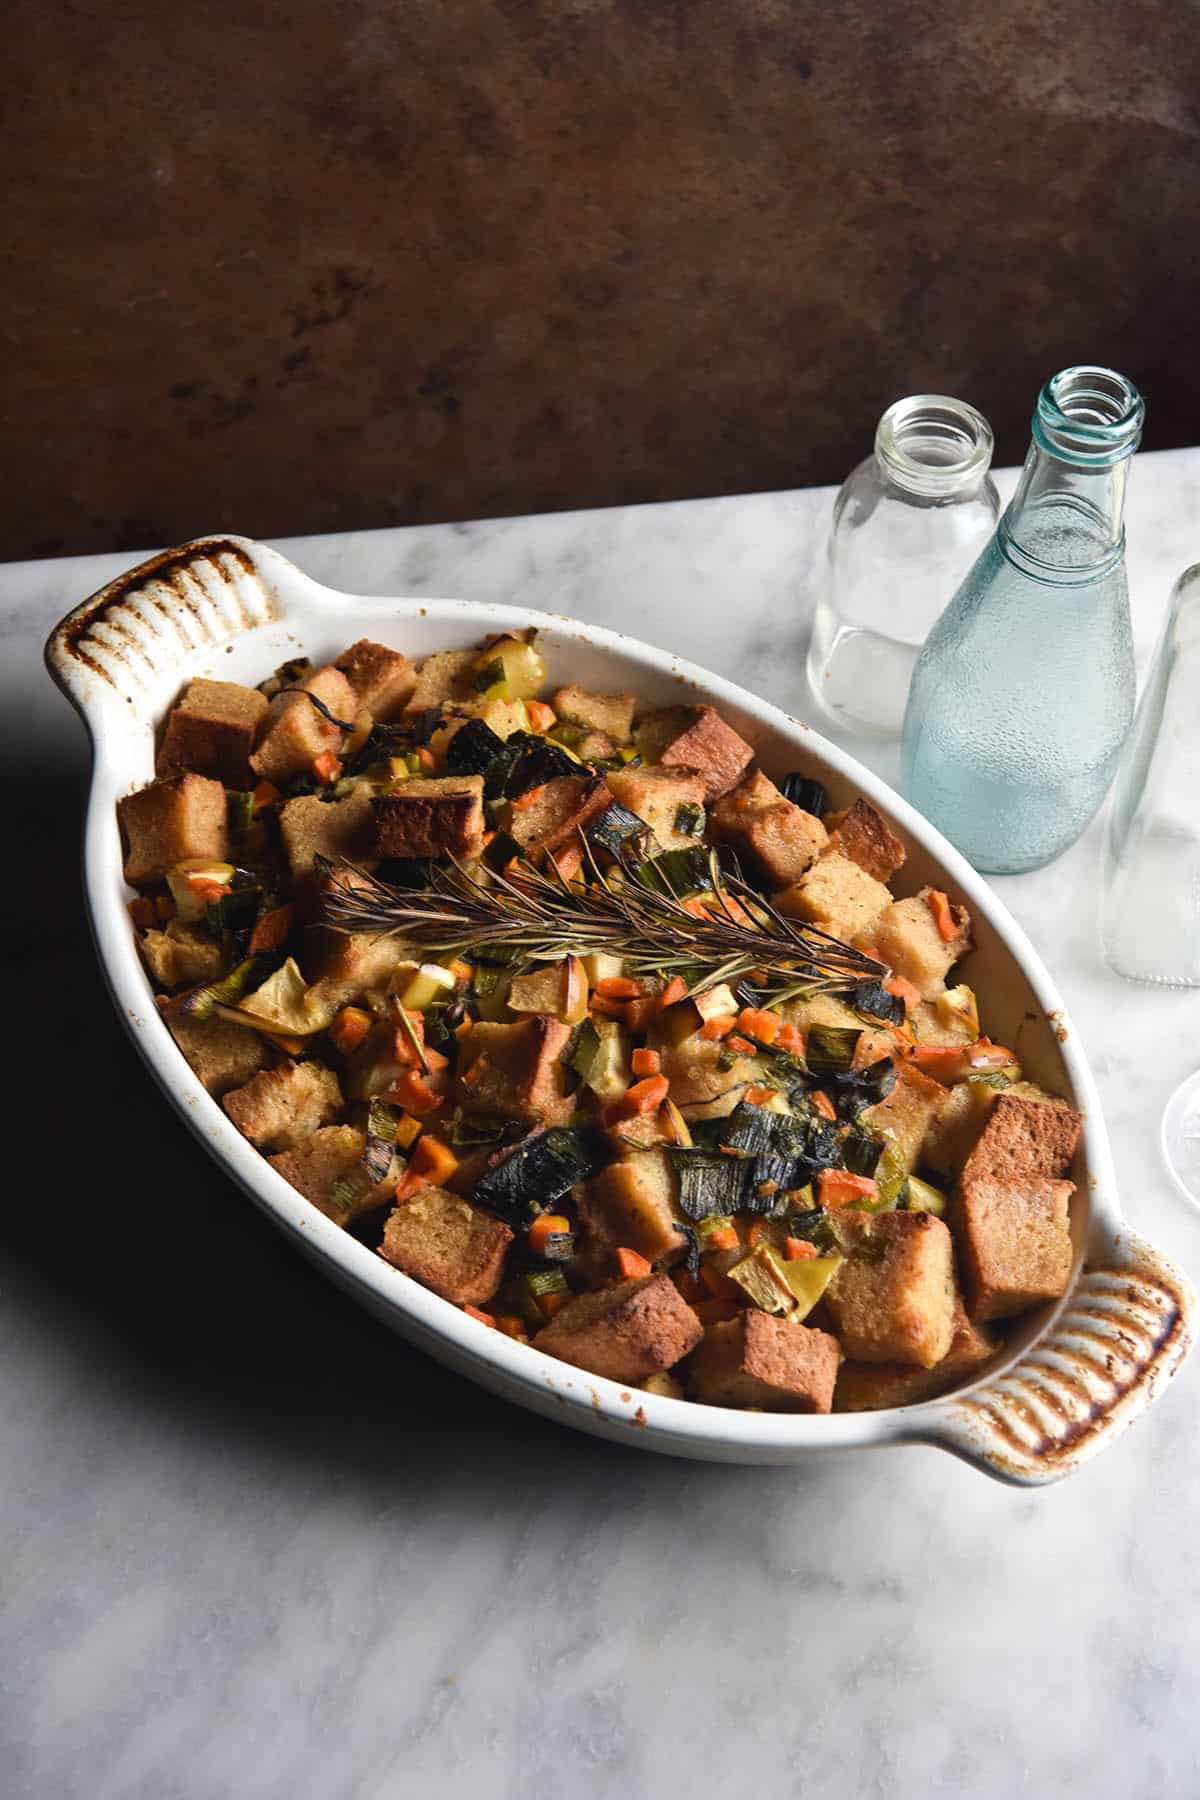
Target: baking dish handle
x: 129, y: 642
x: 1128, y: 1325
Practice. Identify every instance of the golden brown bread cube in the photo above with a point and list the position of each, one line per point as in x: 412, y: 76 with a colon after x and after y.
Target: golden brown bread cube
x: 281, y: 1107
x: 441, y: 815
x: 221, y: 1055
x: 957, y: 1124
x: 627, y: 1332
x: 700, y: 1086
x: 631, y: 1205
x: 611, y: 714
x: 447, y: 1244
x: 862, y: 834
x: 382, y: 679
x: 550, y: 817
x: 766, y: 1363
x: 893, y: 1298
x: 656, y: 795
x: 1014, y: 1238
x: 312, y: 827
x: 515, y: 1071
x: 836, y: 895
x: 296, y: 732
x: 697, y: 737
x: 211, y: 730
x: 181, y: 956
x: 906, y: 937
x: 866, y: 1387
x: 449, y: 675
x: 330, y: 1156
x: 776, y: 840
x: 907, y: 1113
x: 170, y: 821
x: 1025, y: 1135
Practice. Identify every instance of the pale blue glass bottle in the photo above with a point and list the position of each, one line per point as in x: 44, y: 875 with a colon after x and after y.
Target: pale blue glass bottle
x: 1023, y: 694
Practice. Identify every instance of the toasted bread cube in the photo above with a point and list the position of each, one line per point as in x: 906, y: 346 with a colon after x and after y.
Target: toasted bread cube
x: 222, y: 1055
x: 447, y: 1244
x: 862, y: 834
x: 211, y: 730
x: 329, y: 1156
x: 906, y: 1114
x: 281, y: 1107
x: 448, y: 675
x: 767, y: 1363
x: 181, y: 956
x: 1015, y: 1238
x: 632, y: 1205
x: 353, y: 964
x: 700, y: 1087
x: 628, y: 1332
x: 907, y: 939
x: 697, y: 737
x: 656, y: 795
x: 382, y: 679
x: 777, y: 840
x: 431, y: 818
x: 868, y: 1387
x: 611, y: 714
x: 550, y: 817
x: 337, y: 829
x: 836, y: 895
x: 893, y: 1298
x: 874, y: 1041
x: 170, y: 821
x: 296, y: 733
x: 956, y: 1125
x: 515, y: 1071
x: 1027, y: 1134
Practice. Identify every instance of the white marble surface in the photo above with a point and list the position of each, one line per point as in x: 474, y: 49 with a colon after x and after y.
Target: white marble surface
x: 252, y: 1546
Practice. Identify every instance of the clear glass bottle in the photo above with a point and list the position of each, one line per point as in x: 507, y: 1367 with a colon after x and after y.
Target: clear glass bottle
x: 1024, y: 691
x: 907, y: 525
x: 1150, y: 893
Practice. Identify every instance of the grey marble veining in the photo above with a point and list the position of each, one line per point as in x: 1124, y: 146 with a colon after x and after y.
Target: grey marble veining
x: 253, y: 1546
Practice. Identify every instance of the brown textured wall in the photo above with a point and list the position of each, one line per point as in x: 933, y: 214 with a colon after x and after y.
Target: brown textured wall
x: 312, y: 266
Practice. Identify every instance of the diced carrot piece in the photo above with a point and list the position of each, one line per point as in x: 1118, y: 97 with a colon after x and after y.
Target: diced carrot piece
x: 836, y: 1187
x: 606, y: 1008
x: 407, y: 1186
x: 461, y: 971
x: 402, y: 1047
x: 142, y: 912
x: 265, y: 794
x: 724, y: 1239
x: 433, y: 1159
x: 646, y: 1062
x: 756, y: 1022
x: 903, y: 990
x: 408, y: 1130
x: 292, y: 1046
x: 798, y: 1249
x: 823, y: 1104
x: 511, y: 1325
x: 791, y: 1039
x: 484, y: 1318
x: 271, y: 930
x: 675, y: 990
x: 630, y: 1263
x: 426, y: 759
x: 546, y: 1225
x: 350, y: 1028
x: 741, y: 1046
x: 437, y: 1062
x: 645, y: 1096
x: 528, y: 797
x: 472, y: 1077
x: 549, y: 1304
x: 568, y: 861
x: 415, y: 1093
x: 542, y: 718
x: 326, y: 767
x: 696, y: 907
x: 759, y: 1096
x: 719, y: 1027
x: 619, y: 987
x: 943, y: 917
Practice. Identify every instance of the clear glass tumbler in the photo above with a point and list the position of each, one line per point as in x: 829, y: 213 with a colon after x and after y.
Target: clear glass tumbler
x: 907, y: 525
x: 1150, y: 896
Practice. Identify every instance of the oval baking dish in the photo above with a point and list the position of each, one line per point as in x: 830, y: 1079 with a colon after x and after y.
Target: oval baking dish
x: 1069, y: 1378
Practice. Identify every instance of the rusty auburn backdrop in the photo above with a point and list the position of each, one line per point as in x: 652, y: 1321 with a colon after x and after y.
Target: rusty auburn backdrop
x: 308, y: 267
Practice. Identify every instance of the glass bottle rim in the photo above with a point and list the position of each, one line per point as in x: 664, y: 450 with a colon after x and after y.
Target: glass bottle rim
x: 1090, y: 415
x: 933, y: 444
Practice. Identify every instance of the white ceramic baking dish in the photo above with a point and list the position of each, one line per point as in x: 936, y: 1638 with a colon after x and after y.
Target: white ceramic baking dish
x: 1070, y: 1378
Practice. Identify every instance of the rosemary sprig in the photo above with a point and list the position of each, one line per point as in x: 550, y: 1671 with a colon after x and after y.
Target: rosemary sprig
x: 542, y: 917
